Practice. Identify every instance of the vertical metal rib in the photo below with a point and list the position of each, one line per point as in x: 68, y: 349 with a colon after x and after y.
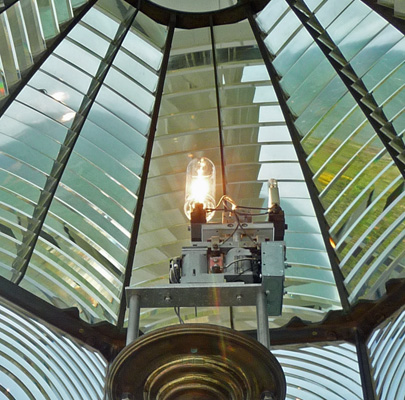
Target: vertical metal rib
x: 367, y: 381
x: 54, y: 43
x: 7, y: 5
x: 221, y: 138
x: 354, y: 85
x: 319, y: 210
x: 145, y: 170
x: 30, y: 238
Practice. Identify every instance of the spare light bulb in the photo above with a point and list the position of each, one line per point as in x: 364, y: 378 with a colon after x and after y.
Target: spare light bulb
x: 274, y: 196
x: 200, y: 186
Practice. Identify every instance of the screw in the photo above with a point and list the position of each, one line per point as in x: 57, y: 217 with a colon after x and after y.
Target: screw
x: 168, y: 299
x: 239, y: 297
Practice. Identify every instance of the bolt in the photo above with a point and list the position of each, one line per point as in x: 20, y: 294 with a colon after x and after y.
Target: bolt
x: 168, y: 299
x: 239, y: 297
x: 331, y: 335
x: 379, y: 317
x: 267, y: 395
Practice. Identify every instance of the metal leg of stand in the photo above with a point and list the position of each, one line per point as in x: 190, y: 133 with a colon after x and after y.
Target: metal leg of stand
x: 263, y: 333
x: 133, y: 318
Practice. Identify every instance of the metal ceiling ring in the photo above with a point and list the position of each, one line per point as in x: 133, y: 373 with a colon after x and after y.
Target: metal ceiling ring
x: 190, y: 20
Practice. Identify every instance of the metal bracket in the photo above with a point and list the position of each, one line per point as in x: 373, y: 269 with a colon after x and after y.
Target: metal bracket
x: 273, y: 267
x: 198, y: 295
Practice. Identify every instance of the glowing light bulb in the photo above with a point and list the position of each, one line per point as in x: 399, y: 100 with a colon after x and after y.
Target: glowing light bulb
x: 200, y: 186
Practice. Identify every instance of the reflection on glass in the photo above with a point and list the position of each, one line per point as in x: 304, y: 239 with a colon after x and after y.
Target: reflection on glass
x: 47, y: 13
x: 386, y: 349
x: 66, y: 72
x: 81, y: 252
x: 282, y: 32
x: 270, y: 14
x: 86, y: 38
x: 37, y: 360
x: 130, y: 90
x: 143, y: 50
x: 100, y: 21
x: 374, y: 50
x: 304, y: 367
x: 352, y: 170
x: 19, y: 34
x: 77, y: 56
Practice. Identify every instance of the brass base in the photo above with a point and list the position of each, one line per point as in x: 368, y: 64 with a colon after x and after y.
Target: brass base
x: 195, y: 361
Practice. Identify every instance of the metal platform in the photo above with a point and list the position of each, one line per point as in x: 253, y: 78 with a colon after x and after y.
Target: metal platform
x: 198, y: 295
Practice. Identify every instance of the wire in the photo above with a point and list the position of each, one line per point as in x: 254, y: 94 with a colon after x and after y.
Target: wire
x: 244, y: 231
x: 253, y: 208
x: 177, y: 311
x: 237, y: 276
x: 252, y: 214
x: 240, y: 259
x: 223, y: 199
x: 238, y: 225
x: 231, y: 317
x: 173, y: 278
x: 226, y: 198
x: 229, y: 200
x: 233, y: 232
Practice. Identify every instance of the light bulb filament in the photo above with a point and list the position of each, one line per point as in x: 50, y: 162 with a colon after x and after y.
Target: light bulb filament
x: 200, y: 185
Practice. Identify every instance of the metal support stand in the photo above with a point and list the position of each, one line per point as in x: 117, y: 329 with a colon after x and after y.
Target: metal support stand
x: 133, y: 318
x: 263, y: 333
x: 199, y: 295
